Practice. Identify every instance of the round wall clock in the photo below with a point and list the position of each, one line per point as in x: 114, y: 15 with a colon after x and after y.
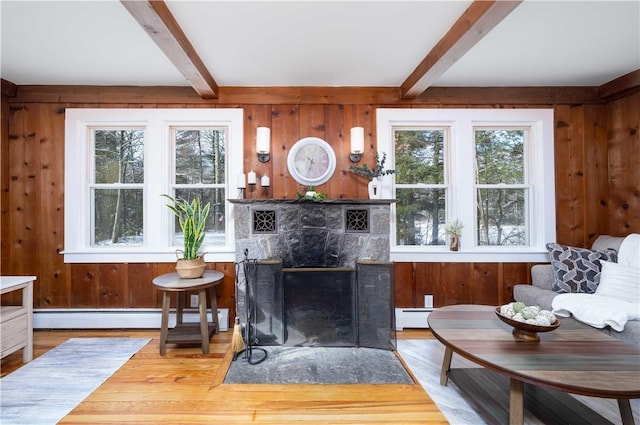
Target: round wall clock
x: 311, y: 161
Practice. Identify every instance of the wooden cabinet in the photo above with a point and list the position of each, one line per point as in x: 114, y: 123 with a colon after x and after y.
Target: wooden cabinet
x: 16, y: 322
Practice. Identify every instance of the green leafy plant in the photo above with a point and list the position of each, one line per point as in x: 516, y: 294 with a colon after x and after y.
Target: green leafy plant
x: 192, y: 218
x: 311, y: 189
x: 370, y: 173
x: 454, y: 227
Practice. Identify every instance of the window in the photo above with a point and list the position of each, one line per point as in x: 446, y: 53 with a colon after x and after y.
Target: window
x: 421, y: 185
x: 199, y: 158
x: 491, y: 169
x: 117, y: 186
x: 502, y: 192
x: 119, y: 163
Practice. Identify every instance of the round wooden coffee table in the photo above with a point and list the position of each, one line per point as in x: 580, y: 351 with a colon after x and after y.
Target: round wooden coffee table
x: 189, y: 333
x: 572, y: 360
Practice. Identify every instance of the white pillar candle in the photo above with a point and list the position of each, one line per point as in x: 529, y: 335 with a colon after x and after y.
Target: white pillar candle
x: 251, y: 177
x: 241, y: 181
x: 264, y: 181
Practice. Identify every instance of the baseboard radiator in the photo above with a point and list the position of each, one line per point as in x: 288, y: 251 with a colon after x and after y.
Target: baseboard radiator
x: 412, y: 318
x: 116, y: 318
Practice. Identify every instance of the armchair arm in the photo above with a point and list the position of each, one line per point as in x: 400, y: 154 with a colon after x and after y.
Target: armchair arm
x: 542, y: 276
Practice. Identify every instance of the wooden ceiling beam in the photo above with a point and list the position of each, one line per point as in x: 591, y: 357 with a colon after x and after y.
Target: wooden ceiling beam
x: 480, y: 18
x: 621, y: 85
x: 156, y: 19
x: 9, y: 89
x: 461, y: 97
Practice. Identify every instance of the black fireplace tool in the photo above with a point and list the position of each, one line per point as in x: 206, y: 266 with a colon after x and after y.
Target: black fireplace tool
x: 250, y: 273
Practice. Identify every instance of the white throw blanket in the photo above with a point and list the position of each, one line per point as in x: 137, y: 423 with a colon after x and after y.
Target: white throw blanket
x: 596, y: 310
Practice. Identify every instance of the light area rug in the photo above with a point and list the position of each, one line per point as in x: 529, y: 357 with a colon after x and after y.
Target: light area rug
x: 424, y: 359
x: 46, y: 389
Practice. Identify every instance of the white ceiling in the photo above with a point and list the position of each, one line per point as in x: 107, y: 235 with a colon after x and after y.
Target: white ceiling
x: 319, y: 43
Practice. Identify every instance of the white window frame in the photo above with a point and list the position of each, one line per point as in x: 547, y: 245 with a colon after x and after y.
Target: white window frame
x: 461, y: 201
x: 158, y: 161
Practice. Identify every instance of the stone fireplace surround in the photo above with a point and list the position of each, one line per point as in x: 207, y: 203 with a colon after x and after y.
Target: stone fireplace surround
x: 302, y: 241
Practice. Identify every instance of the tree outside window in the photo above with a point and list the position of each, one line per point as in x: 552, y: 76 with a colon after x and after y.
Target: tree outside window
x: 421, y: 190
x: 200, y: 173
x: 116, y: 192
x: 501, y: 187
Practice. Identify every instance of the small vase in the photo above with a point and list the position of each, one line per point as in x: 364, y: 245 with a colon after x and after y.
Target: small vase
x: 386, y: 186
x: 374, y: 189
x: 454, y: 242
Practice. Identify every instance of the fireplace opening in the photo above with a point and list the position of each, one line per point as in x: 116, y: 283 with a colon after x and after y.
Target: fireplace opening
x: 320, y: 307
x: 323, y: 306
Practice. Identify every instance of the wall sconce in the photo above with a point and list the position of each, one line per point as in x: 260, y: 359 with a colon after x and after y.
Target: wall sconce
x: 357, y: 144
x: 263, y: 142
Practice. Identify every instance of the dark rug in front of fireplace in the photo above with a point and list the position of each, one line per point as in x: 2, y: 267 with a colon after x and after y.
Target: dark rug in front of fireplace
x: 319, y: 365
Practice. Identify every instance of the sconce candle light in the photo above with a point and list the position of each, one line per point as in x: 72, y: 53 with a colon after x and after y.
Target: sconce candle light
x: 242, y: 184
x: 357, y: 144
x: 251, y: 177
x: 263, y: 142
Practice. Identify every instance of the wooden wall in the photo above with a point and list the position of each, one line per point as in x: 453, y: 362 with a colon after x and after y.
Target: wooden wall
x: 597, y: 180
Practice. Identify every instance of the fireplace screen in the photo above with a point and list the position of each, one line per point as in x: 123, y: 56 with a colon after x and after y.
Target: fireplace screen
x: 319, y: 307
x: 341, y: 307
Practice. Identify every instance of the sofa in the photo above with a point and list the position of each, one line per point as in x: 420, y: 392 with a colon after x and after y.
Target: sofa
x: 545, y: 292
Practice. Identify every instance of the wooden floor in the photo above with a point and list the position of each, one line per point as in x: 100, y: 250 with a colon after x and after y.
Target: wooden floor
x: 186, y: 387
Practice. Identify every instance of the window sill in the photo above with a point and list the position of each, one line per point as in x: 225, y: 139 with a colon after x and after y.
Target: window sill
x: 442, y: 256
x: 224, y: 256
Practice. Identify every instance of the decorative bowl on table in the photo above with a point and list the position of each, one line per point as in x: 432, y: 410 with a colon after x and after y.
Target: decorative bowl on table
x: 526, y: 331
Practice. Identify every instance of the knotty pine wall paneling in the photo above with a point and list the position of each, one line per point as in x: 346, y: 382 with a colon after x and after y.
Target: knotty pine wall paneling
x: 405, y: 285
x: 624, y: 165
x: 596, y: 183
x: 139, y: 275
x: 339, y: 120
x: 4, y: 181
x: 509, y: 275
x: 256, y: 116
x: 596, y: 178
x: 285, y: 132
x: 569, y: 174
x: 24, y: 188
x: 54, y: 286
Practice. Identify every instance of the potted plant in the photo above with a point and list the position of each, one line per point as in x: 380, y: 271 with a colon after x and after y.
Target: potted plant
x: 374, y: 174
x: 192, y: 218
x: 311, y: 194
x: 454, y: 229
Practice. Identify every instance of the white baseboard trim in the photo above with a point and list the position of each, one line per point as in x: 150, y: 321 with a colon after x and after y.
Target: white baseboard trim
x: 412, y: 318
x: 116, y: 318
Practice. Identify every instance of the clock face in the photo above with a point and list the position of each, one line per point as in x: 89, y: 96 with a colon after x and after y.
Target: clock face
x: 311, y: 161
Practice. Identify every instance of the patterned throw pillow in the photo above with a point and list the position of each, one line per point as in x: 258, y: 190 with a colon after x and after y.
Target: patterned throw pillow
x: 577, y: 269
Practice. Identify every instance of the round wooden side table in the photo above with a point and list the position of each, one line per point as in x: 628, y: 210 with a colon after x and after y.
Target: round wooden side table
x: 188, y: 333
